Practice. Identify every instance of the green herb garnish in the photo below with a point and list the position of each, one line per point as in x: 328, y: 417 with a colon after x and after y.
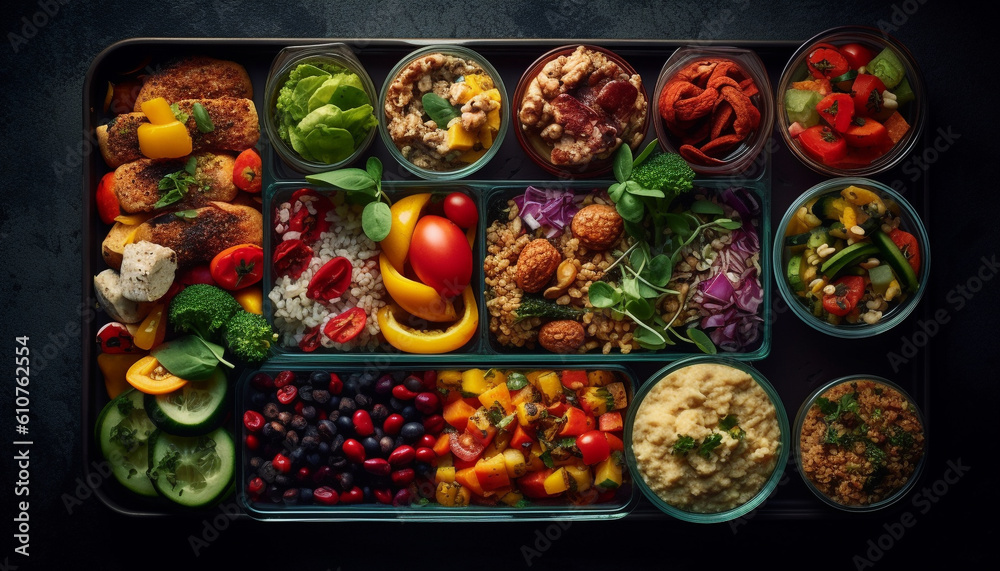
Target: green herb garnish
x: 709, y: 444
x: 175, y: 186
x: 516, y: 381
x: 439, y: 110
x: 365, y: 187
x: 201, y: 118
x: 683, y: 445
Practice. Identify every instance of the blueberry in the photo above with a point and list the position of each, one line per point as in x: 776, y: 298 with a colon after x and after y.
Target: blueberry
x: 319, y: 379
x: 410, y: 413
x: 412, y: 431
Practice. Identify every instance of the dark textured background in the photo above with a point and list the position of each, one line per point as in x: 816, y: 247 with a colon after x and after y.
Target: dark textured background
x: 41, y: 236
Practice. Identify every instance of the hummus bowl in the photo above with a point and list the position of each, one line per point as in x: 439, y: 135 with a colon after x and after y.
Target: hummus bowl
x: 707, y: 439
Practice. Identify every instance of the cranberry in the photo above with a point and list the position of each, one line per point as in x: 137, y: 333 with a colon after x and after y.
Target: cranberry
x: 427, y: 402
x: 434, y: 424
x: 403, y: 498
x: 262, y: 382
x: 322, y: 474
x: 402, y: 455
x: 252, y: 442
x: 284, y: 378
x: 383, y: 495
x: 393, y: 424
x: 377, y: 466
x: 256, y: 486
x: 403, y: 477
x: 403, y: 393
x: 287, y: 393
x: 363, y: 425
x: 303, y: 474
x: 282, y: 463
x: 430, y: 380
x: 353, y: 496
x: 384, y: 384
x: 354, y: 450
x: 336, y: 385
x: 326, y: 495
x: 425, y: 454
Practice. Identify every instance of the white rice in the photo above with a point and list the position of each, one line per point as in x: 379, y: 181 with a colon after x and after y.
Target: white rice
x: 295, y: 314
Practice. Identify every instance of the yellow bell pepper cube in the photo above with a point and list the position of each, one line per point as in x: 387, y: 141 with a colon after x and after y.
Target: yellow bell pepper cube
x: 551, y: 387
x: 581, y: 476
x: 486, y: 136
x: 608, y: 474
x: 493, y: 94
x: 557, y: 482
x: 458, y: 139
x: 168, y: 141
x: 474, y: 382
x: 158, y: 111
x: 444, y: 474
x: 479, y: 83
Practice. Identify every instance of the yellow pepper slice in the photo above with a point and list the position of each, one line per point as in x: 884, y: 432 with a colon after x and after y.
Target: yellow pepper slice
x: 251, y: 298
x: 410, y: 340
x: 153, y: 328
x: 164, y: 137
x: 405, y: 213
x: 421, y: 300
x: 150, y: 377
x: 113, y: 367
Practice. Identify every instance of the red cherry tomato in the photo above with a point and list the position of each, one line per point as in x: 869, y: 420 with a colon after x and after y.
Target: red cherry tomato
x: 440, y: 255
x: 594, y: 446
x: 331, y: 280
x: 247, y: 171
x: 107, y: 201
x: 856, y: 55
x: 199, y: 274
x: 238, y: 266
x: 461, y: 209
x: 291, y: 258
x: 826, y: 62
x: 114, y: 337
x: 465, y: 446
x: 849, y: 290
x: 907, y: 243
x: 346, y: 326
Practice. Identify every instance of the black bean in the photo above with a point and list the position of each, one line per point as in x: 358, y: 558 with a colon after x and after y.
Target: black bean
x: 291, y: 439
x: 274, y: 493
x: 336, y: 443
x: 321, y: 396
x: 396, y: 404
x: 297, y: 456
x: 363, y: 401
x: 345, y: 425
x: 410, y: 413
x: 379, y: 413
x: 319, y: 379
x: 306, y: 394
x: 327, y: 429
x: 345, y: 480
x: 310, y: 443
x: 350, y: 387
x: 258, y: 400
x: 270, y: 411
x: 372, y: 447
x: 333, y: 405
x: 283, y: 480
x: 305, y: 495
x: 337, y: 462
x: 267, y: 472
x: 313, y: 459
x: 323, y: 448
x: 347, y: 406
x: 309, y: 412
x: 366, y: 384
x: 412, y: 431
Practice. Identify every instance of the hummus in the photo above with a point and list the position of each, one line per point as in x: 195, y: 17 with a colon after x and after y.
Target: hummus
x: 706, y: 438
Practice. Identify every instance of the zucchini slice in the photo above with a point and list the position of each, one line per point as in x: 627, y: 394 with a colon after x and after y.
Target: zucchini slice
x: 197, y: 408
x: 193, y: 471
x: 123, y: 429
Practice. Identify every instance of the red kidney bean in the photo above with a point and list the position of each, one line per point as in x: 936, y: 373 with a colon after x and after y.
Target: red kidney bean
x: 403, y: 393
x: 303, y: 474
x: 284, y: 378
x: 427, y: 402
x: 426, y: 441
x: 393, y: 423
x: 336, y: 385
x: 282, y: 463
x: 425, y: 454
x: 354, y: 451
x: 326, y: 495
x: 402, y: 455
x: 430, y: 380
x: 352, y: 496
x: 383, y: 495
x: 403, y: 497
x: 253, y: 420
x: 363, y: 423
x: 377, y: 466
x: 322, y: 474
x: 287, y: 393
x: 403, y: 477
x: 434, y: 424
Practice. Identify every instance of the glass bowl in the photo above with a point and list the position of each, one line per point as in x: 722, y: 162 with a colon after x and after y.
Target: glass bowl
x: 475, y: 150
x: 338, y: 57
x: 693, y: 470
x: 583, y: 163
x: 794, y: 243
x: 691, y: 133
x: 795, y: 104
x: 874, y: 396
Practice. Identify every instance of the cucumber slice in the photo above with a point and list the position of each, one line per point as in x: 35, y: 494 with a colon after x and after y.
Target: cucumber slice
x: 887, y: 67
x: 819, y: 236
x: 197, y: 408
x: 897, y: 260
x: 193, y: 471
x: 123, y: 430
x: 849, y: 255
x: 794, y: 274
x: 800, y: 106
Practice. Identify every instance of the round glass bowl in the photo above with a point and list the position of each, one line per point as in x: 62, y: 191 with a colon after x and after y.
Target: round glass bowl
x: 541, y: 107
x: 881, y: 475
x: 794, y: 239
x: 719, y: 133
x: 473, y: 148
x: 695, y: 461
x: 795, y: 104
x: 358, y: 129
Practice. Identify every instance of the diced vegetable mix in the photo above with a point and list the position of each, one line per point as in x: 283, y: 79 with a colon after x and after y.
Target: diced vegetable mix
x: 449, y: 437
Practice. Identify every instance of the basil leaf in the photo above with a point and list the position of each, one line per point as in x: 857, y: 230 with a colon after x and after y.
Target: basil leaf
x: 191, y: 166
x: 347, y: 179
x: 701, y: 340
x: 622, y: 164
x: 186, y: 357
x: 516, y: 381
x: 706, y: 207
x: 201, y: 118
x: 218, y: 350
x: 660, y: 270
x: 729, y: 224
x: 374, y: 168
x: 439, y: 110
x: 178, y: 114
x: 645, y: 153
x: 188, y: 214
x: 376, y: 220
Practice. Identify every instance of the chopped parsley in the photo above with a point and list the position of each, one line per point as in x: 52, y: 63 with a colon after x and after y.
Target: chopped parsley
x: 683, y: 445
x: 709, y: 444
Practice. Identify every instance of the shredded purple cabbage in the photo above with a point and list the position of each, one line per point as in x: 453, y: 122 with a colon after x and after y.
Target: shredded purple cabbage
x: 549, y: 208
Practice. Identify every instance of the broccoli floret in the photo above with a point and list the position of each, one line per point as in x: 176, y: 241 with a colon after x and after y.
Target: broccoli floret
x: 249, y: 336
x: 202, y: 309
x: 668, y: 172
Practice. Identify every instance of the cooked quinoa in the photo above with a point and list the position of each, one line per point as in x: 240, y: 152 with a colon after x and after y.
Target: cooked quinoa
x: 862, y: 443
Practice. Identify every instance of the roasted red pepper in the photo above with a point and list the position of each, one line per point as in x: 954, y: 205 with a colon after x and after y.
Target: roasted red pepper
x: 311, y: 340
x: 826, y: 61
x: 866, y: 91
x: 291, y: 258
x: 907, y: 243
x: 309, y: 224
x: 847, y: 294
x: 823, y: 144
x: 331, y: 280
x: 837, y: 109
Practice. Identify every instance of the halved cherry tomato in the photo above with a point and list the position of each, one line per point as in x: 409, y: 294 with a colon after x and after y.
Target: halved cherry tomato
x: 291, y: 258
x: 837, y: 109
x: 907, y: 243
x: 461, y: 209
x: 198, y: 274
x: 331, y: 280
x: 311, y: 340
x: 849, y: 290
x: 465, y: 446
x: 309, y: 225
x: 238, y: 266
x: 247, y: 171
x: 856, y: 55
x: 346, y: 326
x: 114, y: 337
x: 823, y: 144
x: 827, y: 62
x: 594, y: 446
x: 107, y: 201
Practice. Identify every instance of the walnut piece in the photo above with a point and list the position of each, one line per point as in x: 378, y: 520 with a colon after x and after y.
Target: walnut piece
x: 597, y: 226
x: 561, y: 335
